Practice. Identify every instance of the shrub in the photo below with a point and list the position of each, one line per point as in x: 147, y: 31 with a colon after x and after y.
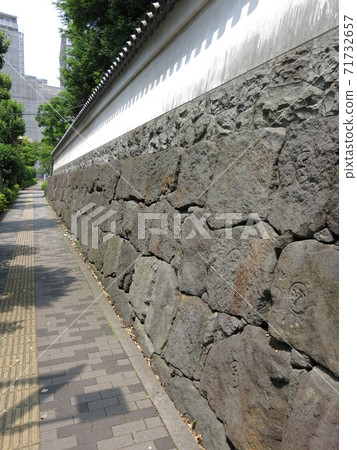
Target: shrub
x: 44, y: 185
x: 8, y: 196
x: 29, y: 182
x: 3, y: 203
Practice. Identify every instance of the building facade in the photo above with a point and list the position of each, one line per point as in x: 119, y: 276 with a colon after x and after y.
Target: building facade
x: 27, y: 89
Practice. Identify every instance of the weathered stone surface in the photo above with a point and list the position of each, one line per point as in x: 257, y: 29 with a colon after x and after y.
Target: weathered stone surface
x: 190, y: 334
x: 197, y: 167
x: 147, y: 177
x: 292, y: 67
x: 162, y: 174
x: 100, y: 178
x: 143, y: 284
x: 324, y: 236
x: 282, y: 105
x: 132, y: 180
x: 331, y: 100
x: 196, y: 130
x: 251, y: 86
x: 108, y: 179
x: 154, y: 296
x: 246, y: 384
x: 163, y: 244
x: 308, y: 173
x: 111, y: 256
x: 227, y: 325
x: 192, y: 254
x: 192, y: 405
x: 153, y: 229
x: 241, y: 271
x: 142, y: 338
x: 282, y: 242
x: 313, y: 420
x: 323, y: 61
x: 305, y: 300
x: 163, y: 306
x: 245, y: 175
x: 119, y: 257
x: 126, y: 213
x: 96, y: 255
x: 140, y: 233
x: 300, y: 360
x: 122, y: 305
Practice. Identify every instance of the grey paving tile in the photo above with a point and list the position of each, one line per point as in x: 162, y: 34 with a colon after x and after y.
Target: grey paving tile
x: 140, y: 414
x: 164, y: 443
x: 109, y: 421
x: 60, y: 444
x: 136, y: 387
x: 95, y: 436
x: 110, y: 401
x: 148, y: 435
x: 74, y: 429
x: 96, y: 414
x: 153, y: 422
x: 116, y: 442
x: 130, y: 427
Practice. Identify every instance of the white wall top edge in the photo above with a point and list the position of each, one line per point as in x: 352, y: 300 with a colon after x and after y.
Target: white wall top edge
x: 199, y: 46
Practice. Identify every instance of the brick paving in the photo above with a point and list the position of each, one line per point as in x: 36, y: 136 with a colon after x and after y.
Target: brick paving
x: 78, y: 388
x: 19, y: 409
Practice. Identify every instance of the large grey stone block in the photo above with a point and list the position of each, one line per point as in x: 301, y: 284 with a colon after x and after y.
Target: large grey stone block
x: 192, y: 331
x: 246, y: 174
x: 246, y: 384
x: 306, y: 199
x: 142, y: 285
x: 197, y: 168
x: 119, y: 258
x: 148, y: 177
x: 192, y: 405
x: 152, y: 229
x: 313, y: 419
x: 240, y: 271
x: 192, y: 254
x: 305, y: 300
x: 163, y: 307
x: 154, y: 296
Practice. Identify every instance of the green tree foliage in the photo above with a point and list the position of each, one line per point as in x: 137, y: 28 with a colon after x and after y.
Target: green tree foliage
x: 28, y: 151
x: 44, y: 154
x: 4, y: 46
x: 55, y: 117
x: 97, y: 30
x: 13, y: 167
x: 12, y: 124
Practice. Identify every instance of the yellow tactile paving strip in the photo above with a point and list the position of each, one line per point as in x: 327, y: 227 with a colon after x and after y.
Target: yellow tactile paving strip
x: 19, y: 400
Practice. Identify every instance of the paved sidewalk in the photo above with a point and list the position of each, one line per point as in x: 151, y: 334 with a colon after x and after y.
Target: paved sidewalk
x: 66, y: 379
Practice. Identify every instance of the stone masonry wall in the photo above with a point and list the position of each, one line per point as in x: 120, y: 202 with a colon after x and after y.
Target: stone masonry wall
x: 242, y: 328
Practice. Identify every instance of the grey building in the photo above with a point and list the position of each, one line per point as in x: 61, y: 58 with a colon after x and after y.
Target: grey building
x: 65, y: 47
x: 27, y: 89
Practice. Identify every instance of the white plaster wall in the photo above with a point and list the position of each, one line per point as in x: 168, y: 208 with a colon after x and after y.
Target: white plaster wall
x: 187, y: 57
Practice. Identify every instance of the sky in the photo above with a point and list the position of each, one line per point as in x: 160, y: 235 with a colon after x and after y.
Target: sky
x: 39, y: 21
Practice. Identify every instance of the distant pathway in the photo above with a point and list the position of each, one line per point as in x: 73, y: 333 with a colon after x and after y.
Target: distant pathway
x: 71, y: 383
